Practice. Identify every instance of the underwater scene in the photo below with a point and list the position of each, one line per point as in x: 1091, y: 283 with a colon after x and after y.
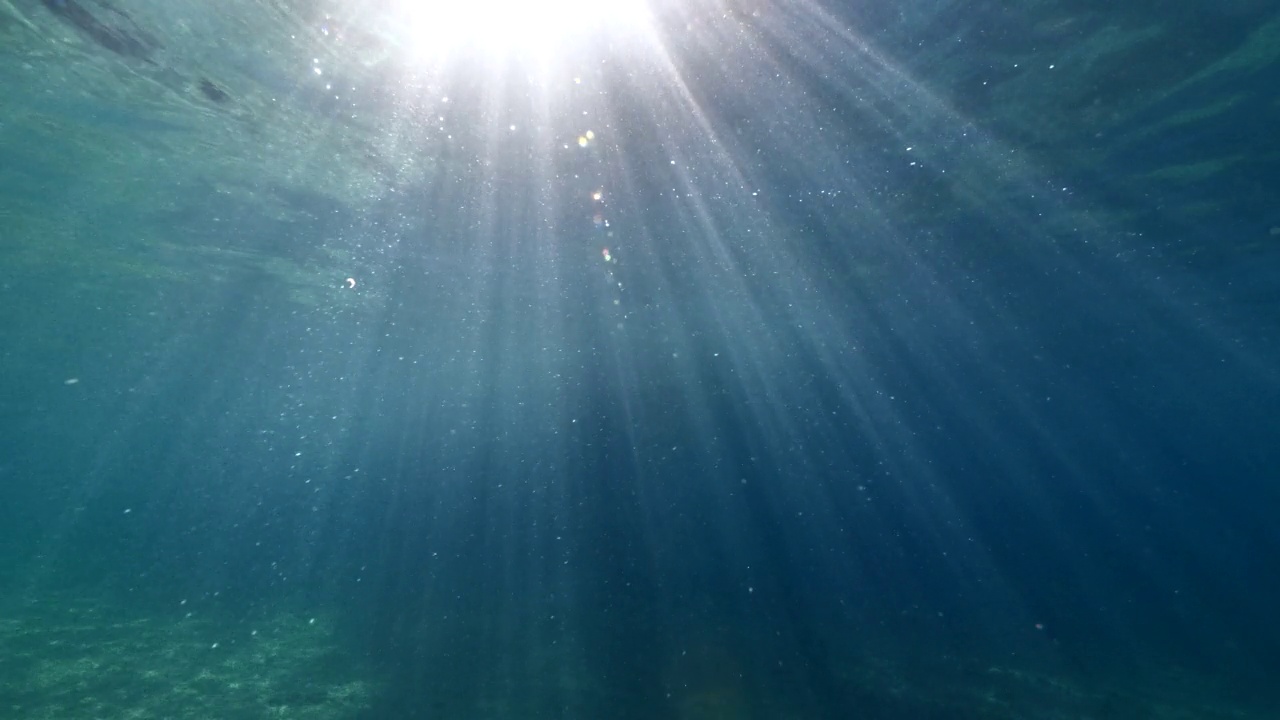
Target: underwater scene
x: 639, y: 360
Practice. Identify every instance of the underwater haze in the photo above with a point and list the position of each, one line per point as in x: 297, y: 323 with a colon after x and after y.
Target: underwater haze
x: 697, y: 359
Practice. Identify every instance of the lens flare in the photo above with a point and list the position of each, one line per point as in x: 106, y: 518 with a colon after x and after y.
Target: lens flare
x: 437, y: 28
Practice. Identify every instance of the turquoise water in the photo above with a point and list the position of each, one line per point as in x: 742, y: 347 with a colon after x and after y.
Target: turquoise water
x: 809, y: 360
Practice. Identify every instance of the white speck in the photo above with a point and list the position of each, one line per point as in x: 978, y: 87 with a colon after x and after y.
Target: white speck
x: 71, y: 381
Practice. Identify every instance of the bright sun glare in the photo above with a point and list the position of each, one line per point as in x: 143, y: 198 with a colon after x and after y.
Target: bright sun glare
x: 516, y: 27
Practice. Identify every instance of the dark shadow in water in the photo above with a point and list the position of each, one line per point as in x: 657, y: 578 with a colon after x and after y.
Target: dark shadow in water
x: 110, y: 27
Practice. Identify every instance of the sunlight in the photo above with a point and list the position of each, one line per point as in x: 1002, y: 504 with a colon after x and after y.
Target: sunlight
x: 516, y: 27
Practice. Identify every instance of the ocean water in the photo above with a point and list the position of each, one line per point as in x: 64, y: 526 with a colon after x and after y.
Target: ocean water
x: 703, y: 360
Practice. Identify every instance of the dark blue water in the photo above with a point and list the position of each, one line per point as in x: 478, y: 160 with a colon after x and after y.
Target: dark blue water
x: 872, y: 362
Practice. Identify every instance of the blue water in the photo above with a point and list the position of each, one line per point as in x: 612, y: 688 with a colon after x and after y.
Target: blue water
x: 860, y: 362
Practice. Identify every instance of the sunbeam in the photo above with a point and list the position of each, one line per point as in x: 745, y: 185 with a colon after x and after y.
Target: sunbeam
x: 633, y: 360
